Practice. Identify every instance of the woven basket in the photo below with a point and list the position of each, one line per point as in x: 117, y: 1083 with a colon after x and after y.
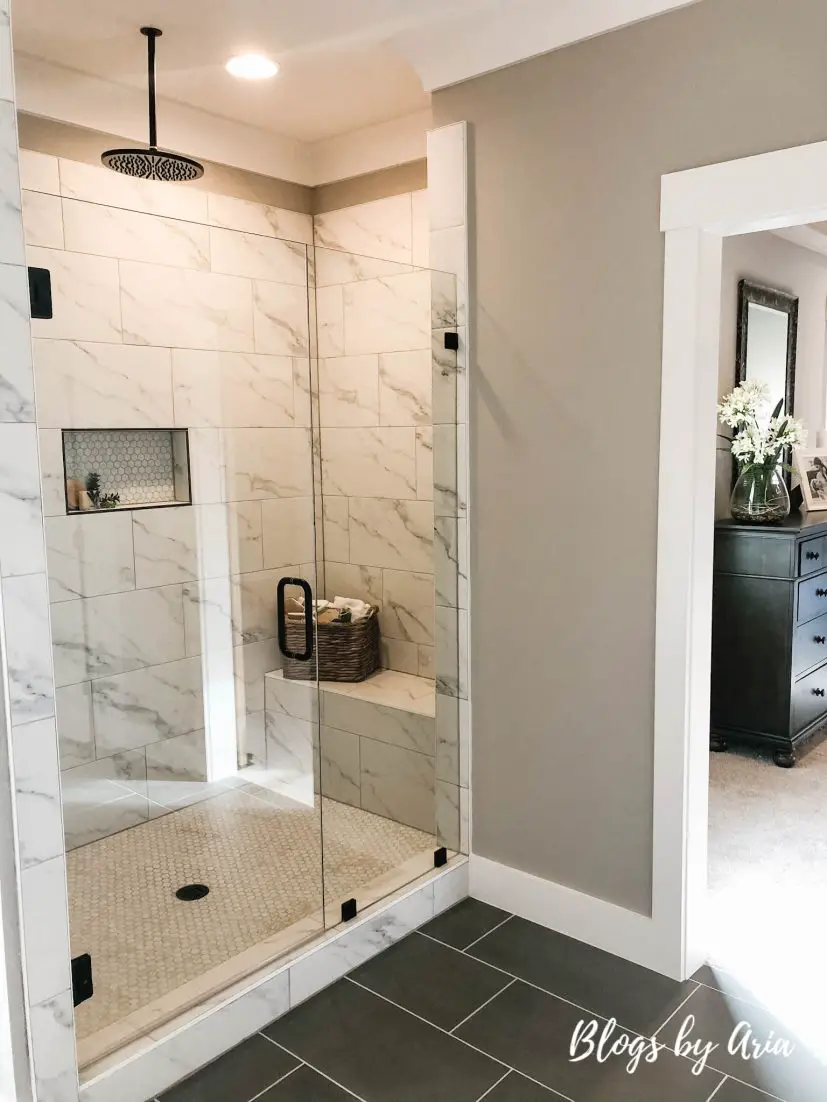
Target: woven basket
x: 343, y: 652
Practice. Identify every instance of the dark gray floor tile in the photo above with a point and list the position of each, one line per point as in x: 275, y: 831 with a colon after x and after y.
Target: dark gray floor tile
x: 464, y: 923
x: 238, y: 1076
x: 438, y: 983
x: 516, y: 1088
x: 800, y: 1077
x: 733, y: 1091
x: 532, y: 1032
x: 597, y: 981
x: 381, y: 1052
x: 711, y: 976
x: 305, y: 1085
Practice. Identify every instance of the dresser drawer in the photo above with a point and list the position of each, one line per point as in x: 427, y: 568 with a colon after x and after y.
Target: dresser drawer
x: 811, y: 598
x: 812, y: 556
x: 809, y: 645
x: 809, y: 699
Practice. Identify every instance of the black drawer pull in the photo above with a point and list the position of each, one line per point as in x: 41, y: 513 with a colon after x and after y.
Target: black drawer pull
x: 821, y: 593
x: 814, y: 555
x: 818, y: 692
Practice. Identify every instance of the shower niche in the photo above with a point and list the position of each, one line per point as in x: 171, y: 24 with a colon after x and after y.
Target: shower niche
x: 111, y: 469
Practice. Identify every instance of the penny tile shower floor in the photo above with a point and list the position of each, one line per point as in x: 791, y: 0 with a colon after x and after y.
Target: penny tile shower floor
x: 154, y: 956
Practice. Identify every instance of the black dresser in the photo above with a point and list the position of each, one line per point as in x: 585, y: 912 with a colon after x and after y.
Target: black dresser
x: 769, y: 634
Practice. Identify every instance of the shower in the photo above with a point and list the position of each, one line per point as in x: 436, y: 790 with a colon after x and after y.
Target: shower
x: 152, y: 163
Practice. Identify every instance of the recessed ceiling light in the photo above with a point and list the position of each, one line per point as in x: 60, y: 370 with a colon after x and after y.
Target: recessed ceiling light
x: 251, y: 67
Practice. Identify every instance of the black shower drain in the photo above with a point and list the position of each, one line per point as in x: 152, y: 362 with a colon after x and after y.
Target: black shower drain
x: 189, y: 892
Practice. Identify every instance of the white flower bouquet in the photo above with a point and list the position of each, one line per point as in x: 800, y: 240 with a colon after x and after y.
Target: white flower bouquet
x: 759, y: 446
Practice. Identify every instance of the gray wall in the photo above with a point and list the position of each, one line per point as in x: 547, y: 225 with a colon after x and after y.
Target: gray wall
x: 569, y: 151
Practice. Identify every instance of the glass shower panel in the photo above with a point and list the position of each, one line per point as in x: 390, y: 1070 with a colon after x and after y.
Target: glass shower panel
x: 176, y: 435
x: 387, y: 415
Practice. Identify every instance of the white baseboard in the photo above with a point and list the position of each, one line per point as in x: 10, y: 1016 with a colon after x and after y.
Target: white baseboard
x: 157, y: 1063
x: 604, y: 925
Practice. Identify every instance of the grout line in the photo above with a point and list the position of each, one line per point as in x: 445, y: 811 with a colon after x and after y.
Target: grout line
x: 717, y: 1088
x: 677, y: 1009
x: 487, y: 932
x: 279, y: 1080
x: 468, y: 1017
x: 494, y: 1086
x: 313, y: 1067
x: 461, y: 1040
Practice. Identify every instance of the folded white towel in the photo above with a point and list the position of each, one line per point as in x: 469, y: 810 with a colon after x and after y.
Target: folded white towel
x: 358, y: 609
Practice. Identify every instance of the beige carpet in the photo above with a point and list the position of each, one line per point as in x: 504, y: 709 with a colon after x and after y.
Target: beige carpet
x: 263, y: 865
x: 768, y: 882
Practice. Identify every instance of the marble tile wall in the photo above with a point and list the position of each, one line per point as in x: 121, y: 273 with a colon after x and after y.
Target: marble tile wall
x: 43, y: 1062
x: 376, y: 415
x: 172, y: 309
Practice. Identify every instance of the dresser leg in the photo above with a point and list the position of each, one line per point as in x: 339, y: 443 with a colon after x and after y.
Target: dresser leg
x: 717, y: 744
x: 784, y: 759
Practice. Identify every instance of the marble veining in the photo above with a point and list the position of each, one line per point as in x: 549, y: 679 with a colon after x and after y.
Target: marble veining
x: 16, y: 377
x: 89, y: 555
x: 21, y: 532
x: 267, y: 463
x: 395, y: 534
x: 11, y: 231
x: 43, y: 219
x: 146, y: 705
x: 258, y: 257
x: 259, y: 218
x: 76, y: 732
x: 232, y: 389
x: 85, y: 296
x: 280, y: 319
x: 37, y: 792
x: 369, y: 462
x: 398, y: 784
x: 53, y: 1049
x: 349, y: 391
x: 166, y: 546
x: 96, y: 184
x: 391, y: 314
x: 381, y: 228
x: 405, y: 388
x: 408, y: 606
x: 28, y: 648
x: 334, y: 267
x: 81, y: 384
x: 132, y: 235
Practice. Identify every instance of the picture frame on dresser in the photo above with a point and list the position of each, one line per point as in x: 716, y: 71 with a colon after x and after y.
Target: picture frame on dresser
x: 811, y: 468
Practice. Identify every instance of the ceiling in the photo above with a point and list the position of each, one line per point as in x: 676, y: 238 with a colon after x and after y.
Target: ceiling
x: 338, y: 73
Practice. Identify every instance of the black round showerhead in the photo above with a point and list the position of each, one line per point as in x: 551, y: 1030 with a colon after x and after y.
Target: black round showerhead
x: 152, y: 163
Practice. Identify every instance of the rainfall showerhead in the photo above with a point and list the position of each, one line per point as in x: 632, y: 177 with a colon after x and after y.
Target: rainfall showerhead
x: 152, y: 163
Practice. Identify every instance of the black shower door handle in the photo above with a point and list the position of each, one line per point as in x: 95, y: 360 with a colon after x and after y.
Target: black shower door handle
x: 307, y: 653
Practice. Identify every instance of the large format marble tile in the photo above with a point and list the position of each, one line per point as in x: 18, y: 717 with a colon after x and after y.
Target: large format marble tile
x: 381, y: 228
x: 244, y: 533
x: 43, y: 219
x: 176, y: 769
x: 89, y: 823
x: 387, y: 315
x: 52, y: 478
x: 96, y: 184
x: 37, y: 788
x: 399, y: 727
x: 447, y: 739
x: 267, y: 463
x: 110, y: 635
x: 208, y: 626
x: 232, y: 389
x: 258, y: 257
x: 259, y: 218
x: 369, y: 462
x: 350, y: 580
x: 405, y: 388
x: 335, y: 268
x: 330, y: 323
x: 45, y: 929
x: 21, y: 533
x: 178, y: 308
x: 288, y: 532
x: 340, y: 778
x: 394, y: 534
x: 85, y: 296
x: 11, y: 231
x: 147, y: 705
x: 252, y: 661
x: 89, y: 555
x: 446, y: 561
x: 104, y: 780
x: 280, y: 319
x: 16, y: 376
x: 398, y: 784
x: 207, y: 466
x: 290, y: 756
x: 39, y: 172
x: 254, y: 604
x: 425, y: 463
x: 408, y: 606
x: 75, y: 728
x: 130, y: 235
x: 28, y: 648
x: 446, y: 497
x: 166, y: 546
x: 349, y: 391
x: 52, y: 1024
x: 336, y: 520
x: 88, y: 385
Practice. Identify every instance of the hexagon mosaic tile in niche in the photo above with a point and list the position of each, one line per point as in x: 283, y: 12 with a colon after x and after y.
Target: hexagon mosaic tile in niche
x: 137, y: 464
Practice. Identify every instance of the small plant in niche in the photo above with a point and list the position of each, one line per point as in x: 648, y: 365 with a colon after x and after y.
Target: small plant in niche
x: 99, y: 500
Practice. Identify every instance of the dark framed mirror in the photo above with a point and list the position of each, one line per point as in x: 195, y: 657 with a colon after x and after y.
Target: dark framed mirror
x: 766, y: 342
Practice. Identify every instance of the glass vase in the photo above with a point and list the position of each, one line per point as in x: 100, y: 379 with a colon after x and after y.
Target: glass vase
x: 760, y: 495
